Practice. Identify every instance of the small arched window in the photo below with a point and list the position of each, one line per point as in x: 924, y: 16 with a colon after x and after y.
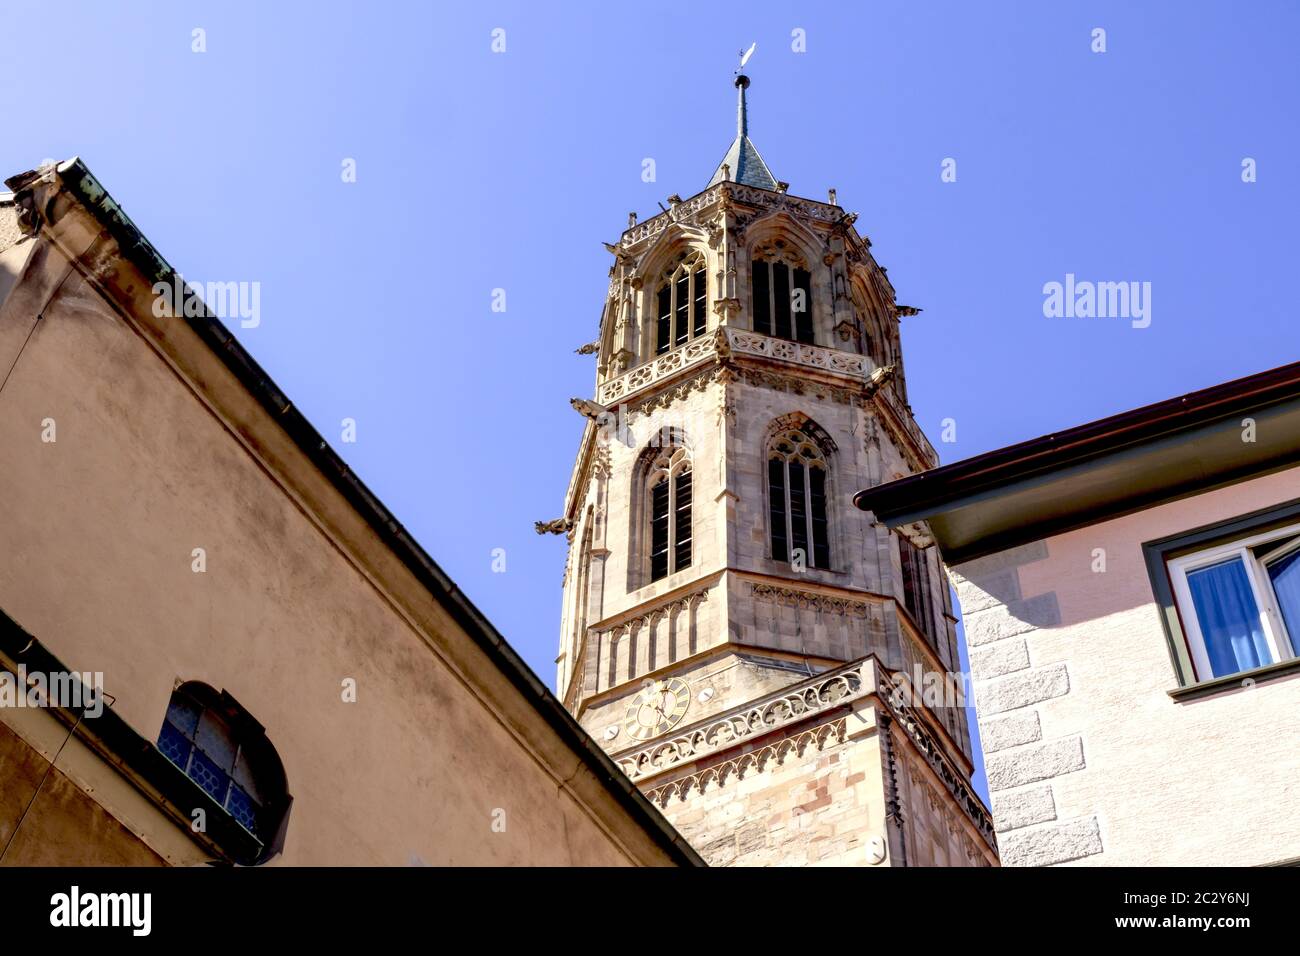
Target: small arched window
x: 681, y: 301
x: 782, y: 293
x: 668, y: 487
x: 796, y: 481
x: 226, y: 752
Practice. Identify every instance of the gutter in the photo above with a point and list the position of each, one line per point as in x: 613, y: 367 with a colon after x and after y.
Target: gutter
x: 77, y: 179
x: 928, y: 493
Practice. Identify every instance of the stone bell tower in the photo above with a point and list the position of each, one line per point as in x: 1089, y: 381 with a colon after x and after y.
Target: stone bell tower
x: 764, y: 660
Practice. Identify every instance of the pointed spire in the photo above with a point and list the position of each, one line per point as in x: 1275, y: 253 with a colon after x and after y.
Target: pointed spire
x: 742, y: 164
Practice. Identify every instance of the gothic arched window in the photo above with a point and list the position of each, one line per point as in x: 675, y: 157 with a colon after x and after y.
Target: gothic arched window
x: 796, y: 483
x: 681, y: 301
x: 782, y: 293
x: 668, y: 487
x: 226, y: 752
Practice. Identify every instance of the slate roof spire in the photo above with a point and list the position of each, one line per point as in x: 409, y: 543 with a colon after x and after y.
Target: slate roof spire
x: 742, y: 164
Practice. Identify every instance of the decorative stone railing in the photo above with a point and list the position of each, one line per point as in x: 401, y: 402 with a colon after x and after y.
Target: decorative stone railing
x: 812, y: 356
x: 825, y: 692
x: 750, y: 195
x: 738, y: 342
x: 679, y: 212
x: 658, y: 369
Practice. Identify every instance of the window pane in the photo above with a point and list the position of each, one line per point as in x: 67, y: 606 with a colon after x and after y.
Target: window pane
x: 174, y: 744
x: 817, y: 497
x: 659, y: 531
x: 803, y: 318
x: 683, y: 309
x: 215, y: 740
x: 183, y: 713
x: 209, y: 776
x: 781, y: 298
x: 664, y: 331
x: 682, y: 530
x: 798, y: 512
x: 1229, y: 617
x: 776, y: 508
x: 245, y: 776
x: 1285, y: 575
x: 701, y: 302
x: 762, y: 307
x: 242, y: 808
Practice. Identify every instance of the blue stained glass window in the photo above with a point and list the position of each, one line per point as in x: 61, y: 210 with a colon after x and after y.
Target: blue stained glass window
x: 174, y: 745
x: 183, y: 713
x: 242, y: 808
x: 209, y: 776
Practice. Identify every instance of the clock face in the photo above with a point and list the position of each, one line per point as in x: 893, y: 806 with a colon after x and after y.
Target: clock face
x: 657, y: 708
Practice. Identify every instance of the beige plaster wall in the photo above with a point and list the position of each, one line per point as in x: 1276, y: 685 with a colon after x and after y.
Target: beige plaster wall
x: 100, y: 526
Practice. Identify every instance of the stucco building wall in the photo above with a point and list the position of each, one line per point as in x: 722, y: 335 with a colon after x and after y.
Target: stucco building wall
x: 151, y: 462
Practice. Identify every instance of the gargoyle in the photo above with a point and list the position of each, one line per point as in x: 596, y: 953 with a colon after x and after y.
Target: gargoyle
x: 558, y: 526
x: 588, y: 409
x: 879, y: 378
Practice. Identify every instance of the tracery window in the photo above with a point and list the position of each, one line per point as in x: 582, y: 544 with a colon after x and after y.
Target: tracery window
x: 681, y: 301
x: 668, y: 487
x: 797, y: 505
x: 781, y: 293
x: 918, y: 596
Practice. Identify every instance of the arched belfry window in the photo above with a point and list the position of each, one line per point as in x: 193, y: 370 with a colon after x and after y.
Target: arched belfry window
x: 668, y: 488
x: 681, y: 301
x: 797, y: 479
x: 781, y: 292
x: 226, y: 752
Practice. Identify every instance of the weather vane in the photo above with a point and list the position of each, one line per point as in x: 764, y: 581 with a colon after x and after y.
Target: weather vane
x: 744, y: 56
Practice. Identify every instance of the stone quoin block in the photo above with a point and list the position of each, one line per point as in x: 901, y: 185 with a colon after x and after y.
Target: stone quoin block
x: 1014, y: 768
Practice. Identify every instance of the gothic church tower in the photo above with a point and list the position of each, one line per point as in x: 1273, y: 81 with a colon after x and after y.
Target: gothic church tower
x: 758, y: 655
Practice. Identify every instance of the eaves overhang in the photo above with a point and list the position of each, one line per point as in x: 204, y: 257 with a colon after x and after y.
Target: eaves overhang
x: 1101, y: 470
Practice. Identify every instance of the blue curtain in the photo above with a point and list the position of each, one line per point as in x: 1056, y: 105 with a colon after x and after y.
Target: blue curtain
x: 1229, y: 618
x: 1285, y: 575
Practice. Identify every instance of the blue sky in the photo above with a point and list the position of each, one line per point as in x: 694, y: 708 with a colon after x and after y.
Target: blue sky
x: 479, y: 170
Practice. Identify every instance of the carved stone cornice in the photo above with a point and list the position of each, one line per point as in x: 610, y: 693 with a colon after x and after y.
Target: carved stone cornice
x: 784, y: 361
x: 682, y: 602
x: 820, y: 693
x: 796, y: 597
x: 773, y: 755
x: 954, y: 781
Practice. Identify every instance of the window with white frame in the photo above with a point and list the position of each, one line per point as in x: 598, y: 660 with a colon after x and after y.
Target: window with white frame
x: 1239, y: 602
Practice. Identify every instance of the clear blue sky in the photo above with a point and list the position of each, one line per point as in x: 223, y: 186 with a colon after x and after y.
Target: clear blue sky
x: 478, y: 170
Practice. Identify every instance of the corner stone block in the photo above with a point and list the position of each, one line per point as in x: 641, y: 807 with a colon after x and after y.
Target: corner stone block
x: 999, y: 733
x: 1015, y: 768
x: 997, y: 660
x: 1022, y: 689
x: 1022, y: 808
x: 1054, y: 843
